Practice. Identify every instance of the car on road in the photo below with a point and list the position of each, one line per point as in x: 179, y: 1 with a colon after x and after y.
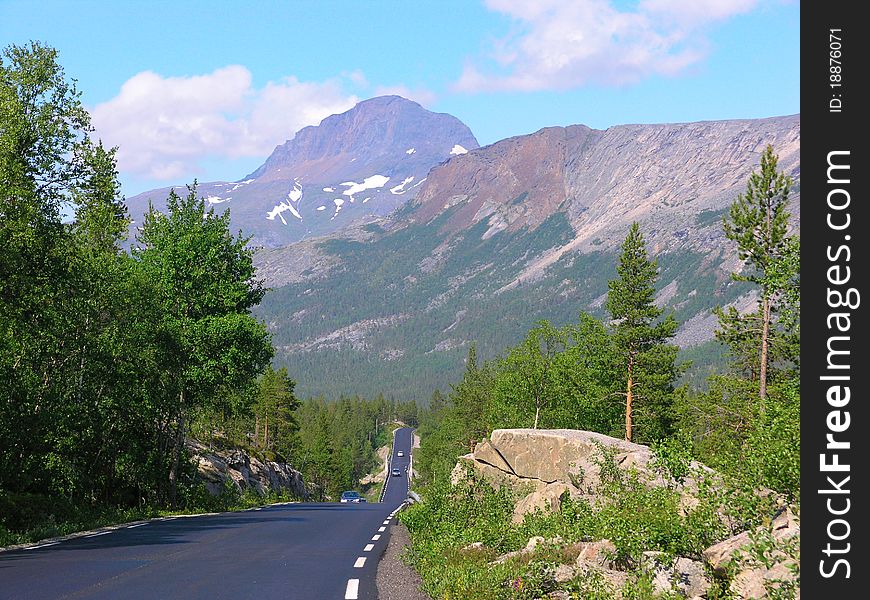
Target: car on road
x: 400, y: 453
x: 351, y: 496
x: 396, y: 472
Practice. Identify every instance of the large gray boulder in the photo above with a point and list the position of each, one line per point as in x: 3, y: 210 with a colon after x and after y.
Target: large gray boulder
x: 545, y: 463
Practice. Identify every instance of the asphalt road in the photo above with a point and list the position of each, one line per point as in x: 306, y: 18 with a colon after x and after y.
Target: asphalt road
x: 305, y: 551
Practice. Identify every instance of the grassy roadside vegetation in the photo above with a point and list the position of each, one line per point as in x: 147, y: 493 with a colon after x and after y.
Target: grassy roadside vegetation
x: 460, y: 532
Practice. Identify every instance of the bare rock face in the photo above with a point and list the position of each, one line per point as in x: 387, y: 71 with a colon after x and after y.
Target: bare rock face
x: 680, y: 575
x: 599, y: 553
x: 549, y: 462
x: 217, y: 467
x: 549, y: 498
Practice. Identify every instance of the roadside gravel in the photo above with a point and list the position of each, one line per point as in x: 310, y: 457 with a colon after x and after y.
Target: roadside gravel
x: 395, y: 579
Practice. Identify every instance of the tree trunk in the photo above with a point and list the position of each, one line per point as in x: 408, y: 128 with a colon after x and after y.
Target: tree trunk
x: 629, y: 396
x: 257, y: 428
x: 537, y: 414
x: 176, y: 455
x: 765, y: 334
x: 266, y: 431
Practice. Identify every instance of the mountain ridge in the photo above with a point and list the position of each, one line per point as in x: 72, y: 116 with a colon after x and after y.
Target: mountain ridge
x: 522, y: 229
x: 366, y: 161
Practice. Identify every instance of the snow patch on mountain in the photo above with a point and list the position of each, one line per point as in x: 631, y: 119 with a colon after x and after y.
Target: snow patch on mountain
x: 294, y: 195
x: 410, y: 151
x: 400, y: 189
x: 321, y: 207
x: 369, y: 183
x: 279, y: 209
x: 338, y: 202
x: 457, y: 150
x: 328, y: 189
x: 240, y: 184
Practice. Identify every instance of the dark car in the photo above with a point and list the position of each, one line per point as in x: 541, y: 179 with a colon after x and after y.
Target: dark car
x: 351, y: 496
x: 396, y: 472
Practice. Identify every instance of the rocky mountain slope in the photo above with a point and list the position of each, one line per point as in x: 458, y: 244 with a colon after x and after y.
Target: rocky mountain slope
x: 523, y: 229
x: 366, y: 161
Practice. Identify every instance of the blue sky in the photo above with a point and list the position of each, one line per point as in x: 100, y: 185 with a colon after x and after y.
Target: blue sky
x: 206, y: 89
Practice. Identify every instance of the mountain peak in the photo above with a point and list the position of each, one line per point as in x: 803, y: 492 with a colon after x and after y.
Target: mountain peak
x: 366, y: 161
x: 384, y: 127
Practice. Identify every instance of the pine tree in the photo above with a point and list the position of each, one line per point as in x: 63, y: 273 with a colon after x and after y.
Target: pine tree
x: 630, y: 301
x: 758, y: 223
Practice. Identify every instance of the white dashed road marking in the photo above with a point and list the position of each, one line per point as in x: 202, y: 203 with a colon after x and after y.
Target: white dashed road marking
x: 376, y: 537
x: 368, y: 547
x: 381, y: 528
x: 360, y: 562
x: 352, y: 591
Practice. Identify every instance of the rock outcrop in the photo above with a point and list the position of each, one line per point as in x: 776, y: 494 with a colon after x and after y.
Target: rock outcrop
x: 754, y: 574
x: 218, y: 468
x: 551, y: 462
x: 547, y: 464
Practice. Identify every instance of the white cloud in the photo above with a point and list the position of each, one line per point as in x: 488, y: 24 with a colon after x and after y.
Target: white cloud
x: 561, y: 45
x: 164, y: 126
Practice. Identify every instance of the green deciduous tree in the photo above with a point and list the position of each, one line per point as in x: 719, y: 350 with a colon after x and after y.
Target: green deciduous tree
x: 205, y: 285
x: 528, y: 372
x: 638, y: 334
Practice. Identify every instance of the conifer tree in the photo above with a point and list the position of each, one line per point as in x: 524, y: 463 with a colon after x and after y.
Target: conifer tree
x: 758, y: 222
x: 636, y: 331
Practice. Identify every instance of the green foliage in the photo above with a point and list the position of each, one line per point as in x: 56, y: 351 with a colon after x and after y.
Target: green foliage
x: 647, y: 363
x: 758, y: 219
x: 274, y: 407
x: 205, y: 288
x: 336, y: 441
x: 747, y: 421
x: 104, y: 356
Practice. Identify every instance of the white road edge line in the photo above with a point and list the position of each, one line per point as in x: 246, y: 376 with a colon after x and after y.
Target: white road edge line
x: 352, y: 591
x: 43, y: 546
x: 98, y: 534
x: 136, y: 525
x: 368, y: 547
x: 376, y: 537
x: 359, y: 562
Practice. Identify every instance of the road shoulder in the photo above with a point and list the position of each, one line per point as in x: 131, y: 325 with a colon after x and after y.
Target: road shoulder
x: 395, y: 579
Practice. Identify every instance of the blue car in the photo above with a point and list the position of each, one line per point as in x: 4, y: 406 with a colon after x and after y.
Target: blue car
x: 351, y: 496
